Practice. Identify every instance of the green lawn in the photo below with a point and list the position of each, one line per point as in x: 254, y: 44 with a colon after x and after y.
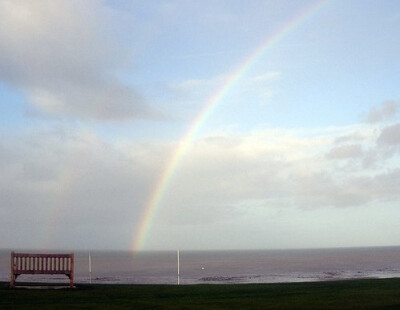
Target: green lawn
x: 351, y: 294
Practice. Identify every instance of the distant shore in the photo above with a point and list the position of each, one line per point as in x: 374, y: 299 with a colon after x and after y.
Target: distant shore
x: 348, y: 294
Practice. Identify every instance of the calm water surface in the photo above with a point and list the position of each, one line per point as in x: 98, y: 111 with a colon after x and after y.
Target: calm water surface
x: 218, y: 267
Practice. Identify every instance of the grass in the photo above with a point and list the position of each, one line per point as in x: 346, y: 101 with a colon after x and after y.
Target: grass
x: 350, y: 294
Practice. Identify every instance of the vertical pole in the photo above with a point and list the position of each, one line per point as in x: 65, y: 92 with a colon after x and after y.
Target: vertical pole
x: 71, y: 279
x: 12, y: 276
x: 90, y: 268
x: 178, y: 267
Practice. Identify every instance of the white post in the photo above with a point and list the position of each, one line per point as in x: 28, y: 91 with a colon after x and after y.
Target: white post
x: 178, y: 268
x: 90, y: 268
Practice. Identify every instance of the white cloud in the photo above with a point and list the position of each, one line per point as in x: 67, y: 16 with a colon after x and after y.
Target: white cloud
x: 197, y: 89
x: 257, y: 89
x: 267, y: 77
x: 63, y: 56
x: 274, y: 168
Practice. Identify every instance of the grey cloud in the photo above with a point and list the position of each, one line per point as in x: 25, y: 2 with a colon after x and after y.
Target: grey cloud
x: 390, y: 136
x: 63, y: 56
x: 345, y: 152
x: 386, y: 185
x: 201, y: 212
x: 76, y: 183
x: 350, y: 138
x: 105, y: 100
x: 370, y: 159
x: 385, y: 111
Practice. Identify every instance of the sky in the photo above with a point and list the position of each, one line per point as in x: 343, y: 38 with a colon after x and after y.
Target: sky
x: 158, y: 125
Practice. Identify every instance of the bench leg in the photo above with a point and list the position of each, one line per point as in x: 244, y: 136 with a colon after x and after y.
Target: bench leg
x: 71, y: 281
x: 13, y: 279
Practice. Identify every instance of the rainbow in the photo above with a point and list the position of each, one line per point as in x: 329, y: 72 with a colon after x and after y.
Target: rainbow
x: 169, y: 170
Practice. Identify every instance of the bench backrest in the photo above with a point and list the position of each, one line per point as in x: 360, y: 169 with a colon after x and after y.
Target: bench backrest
x: 27, y: 263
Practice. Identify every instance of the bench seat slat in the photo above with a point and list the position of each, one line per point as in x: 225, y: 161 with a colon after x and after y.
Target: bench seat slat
x: 19, y: 272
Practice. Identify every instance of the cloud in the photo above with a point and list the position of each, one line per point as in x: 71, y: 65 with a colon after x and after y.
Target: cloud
x: 385, y: 185
x: 385, y: 111
x: 199, y: 89
x: 257, y: 89
x: 261, y: 87
x: 345, y: 152
x: 71, y: 182
x: 64, y: 56
x: 275, y: 169
x: 68, y: 182
x: 268, y: 77
x: 390, y: 135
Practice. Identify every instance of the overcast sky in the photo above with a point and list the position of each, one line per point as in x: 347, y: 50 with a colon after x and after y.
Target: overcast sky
x: 302, y: 151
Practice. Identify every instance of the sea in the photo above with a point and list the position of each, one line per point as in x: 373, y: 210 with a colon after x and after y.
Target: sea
x: 223, y: 267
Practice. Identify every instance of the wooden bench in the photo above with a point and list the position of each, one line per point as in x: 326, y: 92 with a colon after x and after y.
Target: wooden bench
x: 24, y: 263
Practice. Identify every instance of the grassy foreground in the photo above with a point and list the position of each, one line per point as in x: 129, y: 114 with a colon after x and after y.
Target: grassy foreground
x: 351, y: 294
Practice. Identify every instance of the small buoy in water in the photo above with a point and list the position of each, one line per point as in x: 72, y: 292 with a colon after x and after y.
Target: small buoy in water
x: 202, y: 268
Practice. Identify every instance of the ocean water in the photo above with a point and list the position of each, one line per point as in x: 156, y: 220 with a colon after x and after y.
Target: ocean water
x: 223, y: 267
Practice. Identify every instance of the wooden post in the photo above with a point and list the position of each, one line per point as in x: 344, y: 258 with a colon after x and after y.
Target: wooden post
x: 71, y: 279
x: 12, y: 276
